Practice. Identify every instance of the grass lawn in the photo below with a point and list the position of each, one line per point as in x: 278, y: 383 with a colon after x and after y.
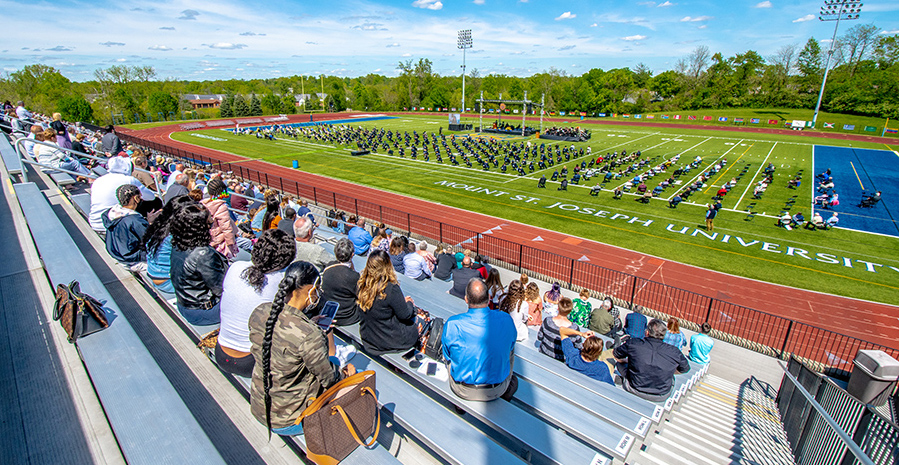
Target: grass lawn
x: 753, y: 248
x: 782, y: 115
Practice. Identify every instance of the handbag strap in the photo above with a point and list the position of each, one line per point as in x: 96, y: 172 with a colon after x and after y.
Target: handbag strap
x: 320, y: 401
x: 64, y: 294
x: 349, y: 426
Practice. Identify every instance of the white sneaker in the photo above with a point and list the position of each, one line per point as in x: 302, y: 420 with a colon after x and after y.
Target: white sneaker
x: 344, y: 354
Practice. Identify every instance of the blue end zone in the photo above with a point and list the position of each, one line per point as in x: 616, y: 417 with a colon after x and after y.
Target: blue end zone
x: 857, y: 173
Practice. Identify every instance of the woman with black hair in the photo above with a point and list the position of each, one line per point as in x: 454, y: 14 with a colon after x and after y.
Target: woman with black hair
x: 246, y: 286
x: 293, y: 353
x: 197, y: 269
x: 158, y: 242
x: 272, y: 212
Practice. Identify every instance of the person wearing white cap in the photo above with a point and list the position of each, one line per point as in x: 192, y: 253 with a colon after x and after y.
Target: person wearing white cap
x: 103, y: 190
x: 832, y: 221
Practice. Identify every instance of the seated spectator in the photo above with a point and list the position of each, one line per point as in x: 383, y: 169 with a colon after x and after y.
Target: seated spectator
x: 582, y: 309
x: 239, y: 202
x: 535, y: 304
x: 551, y: 300
x: 673, y: 335
x: 415, y: 266
x: 549, y: 336
x: 306, y: 250
x: 784, y: 221
x: 223, y: 229
x: 594, y: 191
x: 461, y: 277
x: 158, y: 243
x: 295, y: 364
x: 870, y: 200
x: 179, y: 169
x: 390, y: 323
x: 563, y: 186
x: 478, y: 347
x: 180, y: 186
x: 446, y: 262
x: 701, y: 345
x: 103, y: 190
x: 141, y: 165
x: 586, y: 360
x: 675, y: 201
x: 635, y: 325
x: 495, y: 289
x: 125, y: 229
x: 477, y: 264
x: 197, y: 269
x: 817, y: 222
x: 340, y: 283
x: 617, y: 194
x: 397, y: 253
x: 382, y: 239
x: 286, y: 224
x: 542, y: 182
x: 832, y: 221
x: 641, y: 188
x: 246, y: 286
x: 647, y: 366
x: 304, y: 210
x: 51, y: 155
x: 271, y: 214
x: 360, y: 237
x: 797, y: 219
x: 513, y: 302
x: 430, y: 258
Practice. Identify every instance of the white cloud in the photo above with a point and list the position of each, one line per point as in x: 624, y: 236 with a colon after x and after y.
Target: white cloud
x: 633, y: 38
x: 226, y: 46
x: 765, y: 4
x: 647, y: 3
x: 594, y: 25
x: 566, y: 15
x: 701, y: 27
x: 478, y: 2
x: 690, y: 19
x: 58, y: 48
x: 894, y: 31
x: 428, y: 4
x: 159, y: 48
x: 111, y: 44
x: 406, y: 55
x: 367, y: 26
x: 666, y: 4
x: 804, y: 19
x: 567, y: 47
x: 189, y: 14
x: 167, y: 28
x: 393, y: 45
x: 251, y: 34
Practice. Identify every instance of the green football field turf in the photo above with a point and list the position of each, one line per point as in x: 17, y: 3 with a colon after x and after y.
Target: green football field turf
x: 844, y: 262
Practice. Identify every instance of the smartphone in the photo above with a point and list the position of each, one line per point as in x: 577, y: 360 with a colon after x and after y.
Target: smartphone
x: 432, y: 368
x: 409, y: 355
x: 327, y: 315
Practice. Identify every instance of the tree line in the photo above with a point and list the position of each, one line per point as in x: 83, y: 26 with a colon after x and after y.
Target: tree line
x: 863, y: 80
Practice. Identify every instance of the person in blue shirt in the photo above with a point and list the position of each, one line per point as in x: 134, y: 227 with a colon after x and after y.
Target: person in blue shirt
x: 701, y: 345
x: 478, y: 348
x: 360, y: 238
x: 587, y: 360
x: 635, y: 325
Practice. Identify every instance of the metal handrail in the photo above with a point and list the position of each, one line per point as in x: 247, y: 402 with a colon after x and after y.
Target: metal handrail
x: 20, y: 150
x: 850, y: 444
x: 75, y: 173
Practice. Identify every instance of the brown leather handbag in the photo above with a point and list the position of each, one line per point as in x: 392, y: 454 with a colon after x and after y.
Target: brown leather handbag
x: 79, y: 314
x: 335, y: 423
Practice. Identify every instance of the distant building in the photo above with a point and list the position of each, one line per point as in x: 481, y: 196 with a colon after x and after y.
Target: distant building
x: 204, y: 100
x: 309, y: 100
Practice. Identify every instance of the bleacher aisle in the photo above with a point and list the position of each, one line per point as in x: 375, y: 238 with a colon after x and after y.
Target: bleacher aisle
x: 721, y: 422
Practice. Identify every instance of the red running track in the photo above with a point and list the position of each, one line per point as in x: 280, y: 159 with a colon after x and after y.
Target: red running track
x: 869, y: 321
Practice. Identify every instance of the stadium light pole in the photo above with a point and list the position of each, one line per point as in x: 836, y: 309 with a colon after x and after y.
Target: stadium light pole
x: 464, y: 43
x: 834, y: 10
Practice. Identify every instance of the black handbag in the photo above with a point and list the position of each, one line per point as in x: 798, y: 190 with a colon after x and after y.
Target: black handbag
x: 434, y: 343
x: 79, y: 314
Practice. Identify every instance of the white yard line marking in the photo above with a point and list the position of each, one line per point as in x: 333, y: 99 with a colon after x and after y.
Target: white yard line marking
x: 752, y: 181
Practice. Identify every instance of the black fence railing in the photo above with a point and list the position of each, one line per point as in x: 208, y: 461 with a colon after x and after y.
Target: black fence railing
x: 813, y: 441
x: 770, y: 334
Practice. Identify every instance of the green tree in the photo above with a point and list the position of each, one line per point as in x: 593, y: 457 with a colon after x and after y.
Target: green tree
x: 271, y: 104
x: 240, y: 107
x: 40, y: 86
x: 288, y: 105
x: 226, y: 109
x: 75, y: 108
x: 162, y: 102
x: 255, y: 106
x: 886, y: 52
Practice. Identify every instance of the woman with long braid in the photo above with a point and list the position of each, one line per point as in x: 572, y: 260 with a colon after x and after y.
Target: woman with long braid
x: 294, y: 362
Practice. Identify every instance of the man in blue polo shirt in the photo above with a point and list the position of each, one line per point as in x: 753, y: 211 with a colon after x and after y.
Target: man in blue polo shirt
x: 360, y: 238
x: 478, y: 347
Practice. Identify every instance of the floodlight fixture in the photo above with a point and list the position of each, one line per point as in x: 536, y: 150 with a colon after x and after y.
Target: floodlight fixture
x: 463, y: 43
x: 834, y: 10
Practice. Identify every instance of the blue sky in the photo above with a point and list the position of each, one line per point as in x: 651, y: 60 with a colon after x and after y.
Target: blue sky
x: 195, y: 40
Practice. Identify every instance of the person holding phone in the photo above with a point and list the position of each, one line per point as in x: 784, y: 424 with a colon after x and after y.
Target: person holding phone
x: 295, y: 359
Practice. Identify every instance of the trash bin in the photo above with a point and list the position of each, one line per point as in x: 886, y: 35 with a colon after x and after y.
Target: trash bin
x: 296, y: 164
x: 874, y: 374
